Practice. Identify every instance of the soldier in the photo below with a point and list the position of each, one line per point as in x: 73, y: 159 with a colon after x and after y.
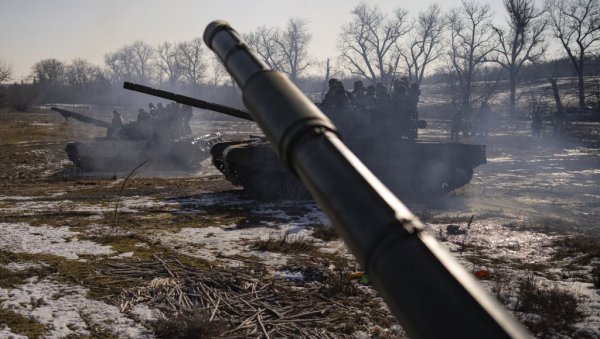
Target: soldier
x: 383, y: 97
x: 117, y: 120
x: 358, y: 95
x: 143, y: 116
x: 186, y: 113
x: 399, y: 99
x: 336, y: 98
x: 329, y: 96
x: 399, y: 104
x: 370, y: 97
x: 115, y: 124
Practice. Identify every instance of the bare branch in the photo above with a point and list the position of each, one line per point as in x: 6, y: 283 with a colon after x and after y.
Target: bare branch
x: 368, y: 44
x: 6, y: 71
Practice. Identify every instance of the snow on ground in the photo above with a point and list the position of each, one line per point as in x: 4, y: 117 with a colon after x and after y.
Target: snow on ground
x: 134, y: 204
x: 499, y: 241
x: 60, y: 241
x: 66, y: 311
x: 34, y: 206
x: 220, y: 242
x: 23, y: 266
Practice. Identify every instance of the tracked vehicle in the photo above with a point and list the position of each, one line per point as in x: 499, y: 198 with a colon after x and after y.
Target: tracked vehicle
x: 410, y: 167
x: 128, y: 145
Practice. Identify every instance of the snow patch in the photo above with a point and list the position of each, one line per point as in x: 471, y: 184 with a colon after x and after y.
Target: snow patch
x: 23, y: 266
x: 60, y: 241
x: 66, y: 311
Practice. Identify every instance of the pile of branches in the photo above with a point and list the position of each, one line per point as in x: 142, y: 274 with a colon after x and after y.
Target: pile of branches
x: 225, y: 303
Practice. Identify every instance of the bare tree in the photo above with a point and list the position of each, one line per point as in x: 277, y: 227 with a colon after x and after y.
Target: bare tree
x: 521, y: 42
x: 471, y: 42
x: 80, y: 73
x: 219, y: 74
x: 367, y: 43
x: 576, y: 24
x: 424, y: 45
x: 191, y: 59
x: 121, y: 64
x: 6, y: 71
x: 143, y: 54
x: 114, y: 67
x: 263, y: 41
x: 293, y: 43
x: 168, y: 62
x: 49, y: 71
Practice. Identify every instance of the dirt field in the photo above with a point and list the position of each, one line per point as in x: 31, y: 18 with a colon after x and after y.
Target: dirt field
x: 90, y: 255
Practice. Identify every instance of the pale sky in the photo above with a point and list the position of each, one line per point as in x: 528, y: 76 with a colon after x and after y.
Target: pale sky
x: 32, y: 30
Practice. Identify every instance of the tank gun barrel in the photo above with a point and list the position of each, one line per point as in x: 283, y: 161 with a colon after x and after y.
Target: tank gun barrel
x: 426, y: 288
x: 185, y: 100
x: 83, y: 118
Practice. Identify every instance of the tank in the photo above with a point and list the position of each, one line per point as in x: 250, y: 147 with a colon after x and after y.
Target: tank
x: 407, y: 166
x: 161, y: 143
x: 388, y: 145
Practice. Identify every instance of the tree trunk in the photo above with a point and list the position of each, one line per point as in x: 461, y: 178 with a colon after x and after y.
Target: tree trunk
x: 512, y: 83
x: 580, y: 87
x: 327, y: 71
x: 559, y: 106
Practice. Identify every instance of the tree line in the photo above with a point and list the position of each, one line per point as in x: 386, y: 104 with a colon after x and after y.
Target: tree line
x: 461, y: 47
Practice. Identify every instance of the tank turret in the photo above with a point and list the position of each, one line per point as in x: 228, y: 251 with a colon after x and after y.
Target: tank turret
x: 161, y: 140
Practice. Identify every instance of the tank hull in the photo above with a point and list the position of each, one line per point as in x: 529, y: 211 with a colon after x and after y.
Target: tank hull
x: 109, y: 155
x: 411, y: 169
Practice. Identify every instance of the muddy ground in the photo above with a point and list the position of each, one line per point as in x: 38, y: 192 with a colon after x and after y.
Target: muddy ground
x: 95, y: 255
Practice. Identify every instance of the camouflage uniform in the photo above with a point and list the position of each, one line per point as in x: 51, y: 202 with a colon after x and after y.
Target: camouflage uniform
x: 400, y: 107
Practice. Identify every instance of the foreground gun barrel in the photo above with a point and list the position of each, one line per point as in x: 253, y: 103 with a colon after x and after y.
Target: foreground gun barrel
x: 182, y: 99
x: 426, y: 288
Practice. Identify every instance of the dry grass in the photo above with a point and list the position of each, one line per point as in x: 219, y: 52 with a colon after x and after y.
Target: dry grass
x: 190, y: 324
x: 325, y: 233
x: 288, y: 244
x: 556, y: 309
x: 583, y: 248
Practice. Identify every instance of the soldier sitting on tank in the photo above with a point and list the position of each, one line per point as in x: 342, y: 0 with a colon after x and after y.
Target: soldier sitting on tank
x: 143, y: 127
x: 382, y: 93
x: 336, y: 105
x: 117, y: 120
x: 384, y: 103
x: 359, y: 95
x: 151, y: 109
x: 400, y: 108
x: 328, y: 99
x: 336, y: 98
x: 370, y: 97
x: 186, y: 117
x: 160, y: 110
x: 115, y: 124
